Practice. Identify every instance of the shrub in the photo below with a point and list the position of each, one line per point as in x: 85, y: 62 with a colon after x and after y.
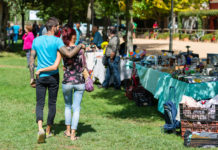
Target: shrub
x: 183, y: 36
x: 163, y: 35
x: 207, y: 37
x: 146, y: 33
x: 176, y: 35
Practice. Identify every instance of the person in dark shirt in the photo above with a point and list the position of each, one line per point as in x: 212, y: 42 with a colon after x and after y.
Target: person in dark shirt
x: 123, y: 47
x: 35, y: 29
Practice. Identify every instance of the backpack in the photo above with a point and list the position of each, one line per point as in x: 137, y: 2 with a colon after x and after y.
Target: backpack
x: 170, y: 112
x: 134, y: 82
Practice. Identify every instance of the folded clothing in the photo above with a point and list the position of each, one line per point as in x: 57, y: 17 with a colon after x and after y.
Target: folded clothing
x: 204, y: 135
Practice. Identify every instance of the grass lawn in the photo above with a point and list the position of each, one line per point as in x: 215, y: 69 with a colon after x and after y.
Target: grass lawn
x: 108, y: 119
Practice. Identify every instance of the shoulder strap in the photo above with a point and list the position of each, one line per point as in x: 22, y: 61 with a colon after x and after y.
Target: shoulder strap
x: 84, y: 60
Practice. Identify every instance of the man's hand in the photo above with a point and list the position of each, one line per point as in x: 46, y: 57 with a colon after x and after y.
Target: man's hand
x: 33, y: 83
x: 111, y: 59
x: 112, y: 56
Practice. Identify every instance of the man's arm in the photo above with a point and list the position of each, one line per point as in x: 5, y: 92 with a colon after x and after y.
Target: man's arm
x: 72, y: 52
x: 31, y: 65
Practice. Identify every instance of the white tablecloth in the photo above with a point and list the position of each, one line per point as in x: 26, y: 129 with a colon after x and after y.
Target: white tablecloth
x: 91, y: 58
x: 94, y: 62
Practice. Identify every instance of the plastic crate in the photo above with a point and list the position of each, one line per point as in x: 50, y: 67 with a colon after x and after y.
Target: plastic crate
x: 198, y: 113
x: 195, y: 126
x: 142, y: 97
x: 199, y: 142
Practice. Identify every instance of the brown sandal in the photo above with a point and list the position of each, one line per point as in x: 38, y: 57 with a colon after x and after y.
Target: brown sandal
x: 65, y: 134
x: 73, y: 137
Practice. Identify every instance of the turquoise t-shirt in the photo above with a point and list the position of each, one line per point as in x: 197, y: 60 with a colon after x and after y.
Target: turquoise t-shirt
x: 97, y: 39
x: 46, y: 48
x: 78, y: 34
x: 16, y: 29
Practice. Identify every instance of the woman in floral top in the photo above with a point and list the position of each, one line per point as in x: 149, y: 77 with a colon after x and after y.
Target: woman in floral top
x: 73, y: 84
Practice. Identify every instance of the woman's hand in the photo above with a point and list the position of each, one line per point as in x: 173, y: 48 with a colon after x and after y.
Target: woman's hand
x: 37, y: 74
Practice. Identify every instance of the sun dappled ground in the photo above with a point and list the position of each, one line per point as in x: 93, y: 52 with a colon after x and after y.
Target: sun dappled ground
x: 201, y: 48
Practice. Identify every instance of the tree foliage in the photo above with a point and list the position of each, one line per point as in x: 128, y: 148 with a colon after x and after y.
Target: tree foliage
x: 106, y: 8
x: 17, y: 7
x: 65, y: 10
x: 154, y: 9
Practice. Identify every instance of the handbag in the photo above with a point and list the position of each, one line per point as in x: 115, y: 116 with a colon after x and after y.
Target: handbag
x: 105, y: 60
x: 89, y: 87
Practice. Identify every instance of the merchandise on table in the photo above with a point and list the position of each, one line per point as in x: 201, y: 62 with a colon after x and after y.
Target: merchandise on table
x: 197, y: 126
x: 200, y: 139
x: 205, y: 110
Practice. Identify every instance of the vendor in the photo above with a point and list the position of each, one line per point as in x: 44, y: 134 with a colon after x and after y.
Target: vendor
x: 123, y: 47
x: 189, y: 59
x: 78, y: 33
x: 97, y: 39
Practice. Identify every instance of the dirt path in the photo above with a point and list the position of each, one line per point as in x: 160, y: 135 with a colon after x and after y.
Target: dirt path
x: 10, y: 66
x: 200, y: 48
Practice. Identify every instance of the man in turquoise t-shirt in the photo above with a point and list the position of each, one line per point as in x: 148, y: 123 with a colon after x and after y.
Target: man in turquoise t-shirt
x: 16, y: 29
x: 45, y: 48
x: 97, y: 39
x: 78, y: 34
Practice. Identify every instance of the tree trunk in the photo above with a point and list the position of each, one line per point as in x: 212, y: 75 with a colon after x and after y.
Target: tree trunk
x: 106, y: 22
x: 70, y: 17
x: 23, y: 22
x: 3, y: 24
x: 129, y: 27
x: 89, y: 17
x: 92, y: 12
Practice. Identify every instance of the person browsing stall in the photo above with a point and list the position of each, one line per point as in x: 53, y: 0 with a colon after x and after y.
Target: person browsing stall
x: 78, y: 33
x: 113, y: 58
x: 97, y: 39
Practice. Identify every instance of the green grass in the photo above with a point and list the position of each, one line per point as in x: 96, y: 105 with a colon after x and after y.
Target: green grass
x: 108, y: 119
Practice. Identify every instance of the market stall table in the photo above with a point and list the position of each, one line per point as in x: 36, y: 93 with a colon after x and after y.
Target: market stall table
x: 159, y: 83
x: 94, y: 62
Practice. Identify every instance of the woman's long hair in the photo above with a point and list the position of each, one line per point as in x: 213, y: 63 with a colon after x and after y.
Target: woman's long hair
x: 67, y: 34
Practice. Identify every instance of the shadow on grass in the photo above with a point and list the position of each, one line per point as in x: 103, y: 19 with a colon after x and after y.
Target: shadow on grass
x: 17, y: 48
x: 130, y: 110
x: 82, y: 128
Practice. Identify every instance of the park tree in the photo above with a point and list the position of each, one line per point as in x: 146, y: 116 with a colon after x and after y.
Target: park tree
x: 108, y: 10
x: 4, y: 11
x: 155, y: 9
x: 65, y: 10
x: 112, y: 10
x: 19, y: 7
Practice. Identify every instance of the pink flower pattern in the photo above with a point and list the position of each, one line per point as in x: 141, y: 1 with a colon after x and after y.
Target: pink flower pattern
x: 74, y: 69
